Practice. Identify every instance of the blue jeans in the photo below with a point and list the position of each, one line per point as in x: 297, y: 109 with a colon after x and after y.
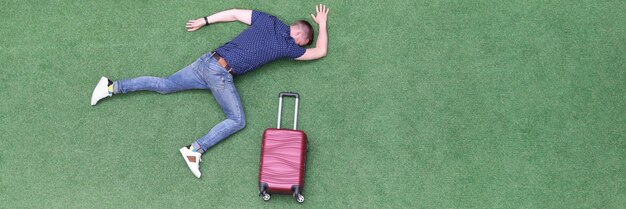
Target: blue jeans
x: 204, y: 73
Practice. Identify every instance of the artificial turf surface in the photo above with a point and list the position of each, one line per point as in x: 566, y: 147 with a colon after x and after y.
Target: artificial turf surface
x: 419, y: 104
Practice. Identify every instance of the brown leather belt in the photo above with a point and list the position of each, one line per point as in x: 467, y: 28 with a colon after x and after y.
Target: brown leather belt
x: 222, y: 62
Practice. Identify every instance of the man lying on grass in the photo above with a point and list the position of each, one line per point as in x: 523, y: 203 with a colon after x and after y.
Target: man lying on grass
x: 266, y: 39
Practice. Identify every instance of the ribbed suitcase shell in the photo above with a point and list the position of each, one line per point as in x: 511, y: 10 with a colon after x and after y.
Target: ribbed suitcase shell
x: 283, y: 156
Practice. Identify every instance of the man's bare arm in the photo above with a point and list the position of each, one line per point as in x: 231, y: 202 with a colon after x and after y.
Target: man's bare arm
x: 321, y: 44
x: 241, y: 15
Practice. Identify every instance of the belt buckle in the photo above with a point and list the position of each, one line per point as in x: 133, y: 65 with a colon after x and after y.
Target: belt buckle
x: 222, y: 62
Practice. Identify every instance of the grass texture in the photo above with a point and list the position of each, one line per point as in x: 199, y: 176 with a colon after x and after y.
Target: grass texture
x: 419, y: 104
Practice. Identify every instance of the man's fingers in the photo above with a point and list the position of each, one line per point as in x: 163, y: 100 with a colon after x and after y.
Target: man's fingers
x: 313, y: 16
x: 323, y: 9
x: 320, y: 9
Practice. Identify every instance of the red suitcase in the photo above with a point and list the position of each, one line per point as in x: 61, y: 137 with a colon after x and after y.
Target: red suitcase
x: 283, y: 156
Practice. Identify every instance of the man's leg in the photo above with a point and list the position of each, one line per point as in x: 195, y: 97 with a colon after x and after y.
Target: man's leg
x: 225, y: 93
x: 184, y: 79
x: 227, y: 97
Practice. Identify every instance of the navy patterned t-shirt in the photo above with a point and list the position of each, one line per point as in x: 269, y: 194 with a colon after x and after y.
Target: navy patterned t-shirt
x: 267, y: 39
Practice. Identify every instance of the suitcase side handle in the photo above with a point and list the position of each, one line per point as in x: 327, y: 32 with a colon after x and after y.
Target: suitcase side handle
x: 280, y: 107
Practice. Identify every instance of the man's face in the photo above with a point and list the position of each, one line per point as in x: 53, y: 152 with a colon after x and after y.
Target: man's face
x: 299, y: 36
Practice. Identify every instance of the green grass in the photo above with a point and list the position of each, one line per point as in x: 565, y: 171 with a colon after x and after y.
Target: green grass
x: 419, y: 104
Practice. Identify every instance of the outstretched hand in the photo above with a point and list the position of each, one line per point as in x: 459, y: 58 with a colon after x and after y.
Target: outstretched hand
x: 193, y: 25
x: 322, y: 13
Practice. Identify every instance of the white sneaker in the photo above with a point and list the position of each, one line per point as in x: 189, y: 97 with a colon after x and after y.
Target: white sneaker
x: 101, y: 91
x: 192, y: 159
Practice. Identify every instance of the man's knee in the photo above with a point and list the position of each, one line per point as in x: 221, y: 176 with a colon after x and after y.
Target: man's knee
x: 166, y: 86
x: 239, y: 123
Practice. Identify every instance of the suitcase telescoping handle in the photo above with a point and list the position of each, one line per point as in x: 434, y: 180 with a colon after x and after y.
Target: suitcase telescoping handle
x: 280, y: 107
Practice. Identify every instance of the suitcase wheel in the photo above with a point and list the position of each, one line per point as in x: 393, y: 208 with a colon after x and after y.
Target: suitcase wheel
x: 263, y: 192
x: 265, y: 196
x: 299, y: 198
x: 297, y: 195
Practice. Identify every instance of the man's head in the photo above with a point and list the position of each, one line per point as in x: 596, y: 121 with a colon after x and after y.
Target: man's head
x: 302, y: 32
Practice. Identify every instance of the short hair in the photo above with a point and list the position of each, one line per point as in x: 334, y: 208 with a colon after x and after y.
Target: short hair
x: 307, y: 29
